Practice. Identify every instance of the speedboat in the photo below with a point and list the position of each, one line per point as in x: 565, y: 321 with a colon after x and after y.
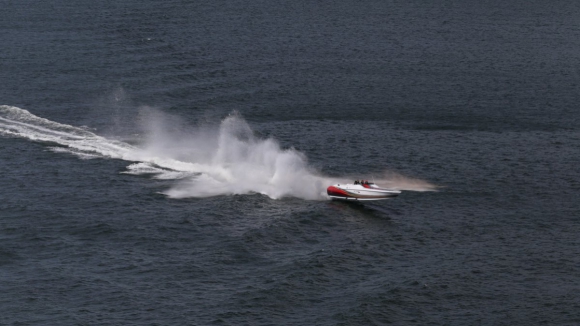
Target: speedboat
x: 360, y: 191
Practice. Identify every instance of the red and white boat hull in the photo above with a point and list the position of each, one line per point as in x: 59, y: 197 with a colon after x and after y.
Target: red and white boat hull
x: 360, y: 192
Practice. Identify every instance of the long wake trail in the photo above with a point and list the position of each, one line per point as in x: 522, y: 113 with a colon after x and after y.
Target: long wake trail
x: 225, y: 160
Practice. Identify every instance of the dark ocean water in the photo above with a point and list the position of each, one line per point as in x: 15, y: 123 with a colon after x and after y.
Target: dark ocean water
x: 162, y: 162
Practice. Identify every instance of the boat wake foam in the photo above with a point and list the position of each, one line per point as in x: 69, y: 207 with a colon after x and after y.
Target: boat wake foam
x: 206, y: 161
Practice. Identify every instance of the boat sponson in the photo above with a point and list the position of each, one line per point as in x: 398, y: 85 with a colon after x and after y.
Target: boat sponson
x: 338, y: 192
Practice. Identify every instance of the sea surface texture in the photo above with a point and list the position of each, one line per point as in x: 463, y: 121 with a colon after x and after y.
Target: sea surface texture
x: 166, y: 162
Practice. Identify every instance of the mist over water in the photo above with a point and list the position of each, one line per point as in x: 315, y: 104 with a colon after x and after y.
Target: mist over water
x: 208, y: 160
x: 230, y: 159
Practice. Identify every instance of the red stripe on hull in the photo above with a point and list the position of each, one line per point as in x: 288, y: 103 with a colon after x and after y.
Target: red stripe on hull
x: 333, y: 191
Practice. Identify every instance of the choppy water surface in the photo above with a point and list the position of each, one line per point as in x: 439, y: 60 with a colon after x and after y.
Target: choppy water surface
x: 165, y: 163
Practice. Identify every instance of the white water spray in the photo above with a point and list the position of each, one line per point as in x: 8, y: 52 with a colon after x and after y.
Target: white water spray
x: 205, y: 161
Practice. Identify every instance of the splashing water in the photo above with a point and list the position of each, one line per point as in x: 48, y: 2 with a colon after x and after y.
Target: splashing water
x: 232, y: 160
x: 205, y: 161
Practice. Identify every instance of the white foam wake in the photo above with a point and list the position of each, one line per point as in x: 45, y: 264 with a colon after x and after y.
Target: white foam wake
x: 209, y: 162
x: 204, y: 161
